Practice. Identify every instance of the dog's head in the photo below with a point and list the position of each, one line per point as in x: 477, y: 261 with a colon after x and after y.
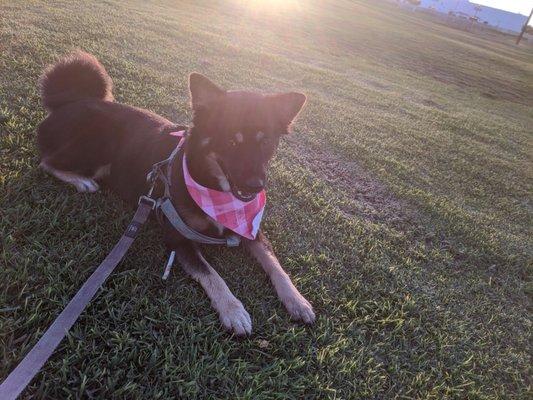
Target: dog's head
x: 236, y: 133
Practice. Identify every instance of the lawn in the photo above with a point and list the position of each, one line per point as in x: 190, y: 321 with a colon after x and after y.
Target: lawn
x: 400, y: 205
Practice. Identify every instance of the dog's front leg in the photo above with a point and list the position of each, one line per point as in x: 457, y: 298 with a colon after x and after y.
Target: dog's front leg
x: 297, y: 306
x: 230, y: 310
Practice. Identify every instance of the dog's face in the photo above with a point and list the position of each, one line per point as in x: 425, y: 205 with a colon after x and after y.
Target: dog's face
x: 237, y: 132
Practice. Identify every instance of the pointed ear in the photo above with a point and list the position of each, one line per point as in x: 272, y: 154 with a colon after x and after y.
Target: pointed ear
x: 288, y: 105
x: 203, y: 91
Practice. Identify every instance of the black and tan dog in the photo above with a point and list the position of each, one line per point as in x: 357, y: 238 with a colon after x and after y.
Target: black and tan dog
x: 88, y: 139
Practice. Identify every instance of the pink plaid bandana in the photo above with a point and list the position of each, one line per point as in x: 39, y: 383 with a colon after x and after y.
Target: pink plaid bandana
x: 241, y: 217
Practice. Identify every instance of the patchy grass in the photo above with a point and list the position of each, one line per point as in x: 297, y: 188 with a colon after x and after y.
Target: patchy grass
x: 400, y: 206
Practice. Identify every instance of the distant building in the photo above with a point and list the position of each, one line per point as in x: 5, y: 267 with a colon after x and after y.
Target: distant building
x: 503, y: 20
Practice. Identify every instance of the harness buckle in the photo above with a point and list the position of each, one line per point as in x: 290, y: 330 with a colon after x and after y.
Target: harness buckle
x: 233, y: 241
x: 148, y: 200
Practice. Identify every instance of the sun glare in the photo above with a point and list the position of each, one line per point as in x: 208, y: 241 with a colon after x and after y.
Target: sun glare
x: 271, y: 5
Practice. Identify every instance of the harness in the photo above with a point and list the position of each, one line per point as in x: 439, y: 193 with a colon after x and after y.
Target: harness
x: 162, y: 172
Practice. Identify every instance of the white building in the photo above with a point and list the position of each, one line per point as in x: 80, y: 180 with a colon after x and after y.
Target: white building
x: 503, y: 20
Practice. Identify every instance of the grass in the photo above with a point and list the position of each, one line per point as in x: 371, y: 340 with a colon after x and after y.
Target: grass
x: 400, y: 206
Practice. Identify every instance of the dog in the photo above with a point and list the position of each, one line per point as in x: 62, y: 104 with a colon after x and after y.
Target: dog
x: 89, y: 140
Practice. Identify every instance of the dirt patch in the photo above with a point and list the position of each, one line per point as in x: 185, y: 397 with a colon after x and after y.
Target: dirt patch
x: 361, y: 79
x: 489, y: 95
x: 431, y: 103
x: 376, y: 85
x: 368, y: 197
x: 424, y: 102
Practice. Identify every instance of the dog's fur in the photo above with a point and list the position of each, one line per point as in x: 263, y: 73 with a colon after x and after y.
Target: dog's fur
x: 88, y: 139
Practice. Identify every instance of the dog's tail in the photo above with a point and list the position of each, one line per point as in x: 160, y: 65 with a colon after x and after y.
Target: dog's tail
x: 75, y: 77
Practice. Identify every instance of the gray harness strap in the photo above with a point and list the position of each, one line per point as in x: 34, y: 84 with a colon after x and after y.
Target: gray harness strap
x: 41, y: 352
x: 177, y: 223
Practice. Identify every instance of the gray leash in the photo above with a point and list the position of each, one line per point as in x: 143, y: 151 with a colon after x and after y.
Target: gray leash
x: 22, y: 375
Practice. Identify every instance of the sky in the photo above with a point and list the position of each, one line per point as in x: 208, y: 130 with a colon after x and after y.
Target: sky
x: 517, y: 6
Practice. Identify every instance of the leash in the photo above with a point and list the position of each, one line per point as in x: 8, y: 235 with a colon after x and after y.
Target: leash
x: 22, y: 375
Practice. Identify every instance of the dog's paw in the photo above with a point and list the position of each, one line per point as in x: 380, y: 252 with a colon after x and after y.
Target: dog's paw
x: 235, y: 318
x: 86, y: 185
x: 299, y: 308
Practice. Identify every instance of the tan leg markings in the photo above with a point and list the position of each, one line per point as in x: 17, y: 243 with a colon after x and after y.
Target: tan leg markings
x: 297, y: 306
x: 231, y: 312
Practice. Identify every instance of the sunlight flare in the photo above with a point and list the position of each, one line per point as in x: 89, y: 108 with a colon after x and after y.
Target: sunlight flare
x: 271, y: 6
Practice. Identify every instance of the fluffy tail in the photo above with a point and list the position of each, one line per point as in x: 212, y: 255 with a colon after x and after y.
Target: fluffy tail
x: 75, y: 77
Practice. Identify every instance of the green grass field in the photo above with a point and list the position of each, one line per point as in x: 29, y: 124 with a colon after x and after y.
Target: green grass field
x: 401, y: 207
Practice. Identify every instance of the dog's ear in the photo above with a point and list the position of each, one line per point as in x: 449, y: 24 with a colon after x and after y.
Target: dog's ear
x: 287, y: 106
x: 203, y: 91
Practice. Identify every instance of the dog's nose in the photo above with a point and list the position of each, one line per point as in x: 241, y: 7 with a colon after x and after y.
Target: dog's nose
x: 255, y: 184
